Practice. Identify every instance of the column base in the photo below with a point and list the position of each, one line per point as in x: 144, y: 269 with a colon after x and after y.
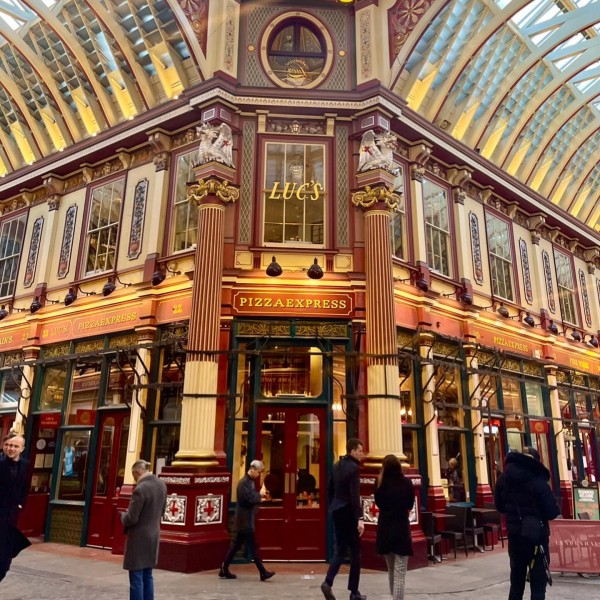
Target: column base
x: 483, y: 495
x: 194, y: 534
x: 566, y: 496
x: 436, y: 501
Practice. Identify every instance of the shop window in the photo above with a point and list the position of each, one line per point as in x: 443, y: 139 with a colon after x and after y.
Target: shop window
x: 12, y: 232
x: 533, y: 393
x: 289, y: 372
x: 294, y: 194
x: 296, y: 52
x: 105, y: 207
x: 53, y: 388
x: 500, y: 256
x: 74, y: 465
x: 437, y: 227
x: 10, y: 389
x: 120, y: 381
x: 398, y: 220
x: 566, y: 287
x: 84, y: 392
x: 339, y: 405
x: 185, y: 214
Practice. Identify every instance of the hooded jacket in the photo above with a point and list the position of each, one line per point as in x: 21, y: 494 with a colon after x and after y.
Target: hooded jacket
x: 523, y: 490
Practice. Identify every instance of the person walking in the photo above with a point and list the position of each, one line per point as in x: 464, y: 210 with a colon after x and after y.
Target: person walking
x: 346, y: 510
x: 523, y: 491
x: 395, y: 497
x: 14, y: 488
x: 142, y: 528
x: 248, y: 501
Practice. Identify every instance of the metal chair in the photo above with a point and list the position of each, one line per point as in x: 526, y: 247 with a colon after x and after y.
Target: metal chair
x: 473, y: 529
x: 433, y: 539
x: 455, y: 528
x: 492, y: 524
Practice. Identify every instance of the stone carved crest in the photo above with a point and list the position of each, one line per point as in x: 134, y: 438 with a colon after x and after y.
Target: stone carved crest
x: 376, y: 151
x: 216, y: 143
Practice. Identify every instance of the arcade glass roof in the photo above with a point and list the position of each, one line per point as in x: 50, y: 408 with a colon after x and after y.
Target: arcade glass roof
x: 516, y: 80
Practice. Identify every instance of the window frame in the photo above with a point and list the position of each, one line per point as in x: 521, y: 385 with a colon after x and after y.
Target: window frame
x: 22, y: 214
x: 449, y: 234
x: 406, y: 215
x: 510, y: 262
x: 84, y: 245
x: 563, y: 290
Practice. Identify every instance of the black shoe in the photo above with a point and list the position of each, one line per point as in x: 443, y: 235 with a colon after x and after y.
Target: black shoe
x: 266, y: 575
x: 326, y: 589
x: 357, y: 596
x: 226, y: 574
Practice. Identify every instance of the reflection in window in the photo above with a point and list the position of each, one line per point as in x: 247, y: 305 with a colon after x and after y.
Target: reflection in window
x: 533, y: 392
x: 294, y: 194
x: 103, y: 227
x: 53, y: 387
x: 10, y: 388
x: 566, y: 287
x: 500, y: 255
x: 291, y: 372
x: 12, y: 232
x: 437, y: 227
x: 74, y: 463
x: 185, y: 214
x: 84, y: 392
x: 398, y: 221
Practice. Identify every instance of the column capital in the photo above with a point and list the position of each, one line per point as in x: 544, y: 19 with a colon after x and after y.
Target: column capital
x: 425, y: 338
x: 381, y: 196
x: 220, y: 188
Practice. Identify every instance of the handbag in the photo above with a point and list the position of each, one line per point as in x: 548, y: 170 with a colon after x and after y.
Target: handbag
x: 532, y: 528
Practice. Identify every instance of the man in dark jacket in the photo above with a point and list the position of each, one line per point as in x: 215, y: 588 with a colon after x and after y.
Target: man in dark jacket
x: 346, y: 509
x: 248, y: 500
x: 142, y: 523
x: 523, y: 490
x: 14, y: 487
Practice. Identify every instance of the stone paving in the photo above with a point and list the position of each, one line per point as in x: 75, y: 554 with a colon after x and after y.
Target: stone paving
x: 57, y: 572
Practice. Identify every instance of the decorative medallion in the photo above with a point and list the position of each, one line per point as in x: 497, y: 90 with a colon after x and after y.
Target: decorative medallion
x: 585, y: 298
x: 137, y: 220
x: 34, y: 249
x: 476, y: 248
x: 402, y: 19
x: 208, y: 510
x: 526, y: 271
x: 64, y: 262
x: 175, y: 510
x: 369, y: 509
x: 548, y: 279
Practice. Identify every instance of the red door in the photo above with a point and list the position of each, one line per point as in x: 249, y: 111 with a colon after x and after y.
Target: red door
x: 291, y: 523
x: 108, y: 479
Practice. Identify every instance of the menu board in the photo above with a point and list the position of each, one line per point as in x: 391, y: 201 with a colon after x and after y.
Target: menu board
x: 586, y: 501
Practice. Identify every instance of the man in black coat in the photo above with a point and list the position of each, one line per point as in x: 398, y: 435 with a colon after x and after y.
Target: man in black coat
x: 346, y: 509
x: 248, y: 501
x: 523, y: 490
x: 14, y: 487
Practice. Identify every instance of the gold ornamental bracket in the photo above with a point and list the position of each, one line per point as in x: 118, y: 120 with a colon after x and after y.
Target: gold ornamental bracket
x: 380, y: 194
x: 220, y: 188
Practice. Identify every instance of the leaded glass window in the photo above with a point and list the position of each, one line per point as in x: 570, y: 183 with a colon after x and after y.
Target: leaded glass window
x: 437, y: 227
x: 185, y: 215
x: 12, y: 232
x: 500, y: 255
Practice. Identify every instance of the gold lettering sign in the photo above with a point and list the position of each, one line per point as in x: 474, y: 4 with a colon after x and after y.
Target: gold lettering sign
x: 292, y: 303
x: 512, y: 344
x: 308, y: 190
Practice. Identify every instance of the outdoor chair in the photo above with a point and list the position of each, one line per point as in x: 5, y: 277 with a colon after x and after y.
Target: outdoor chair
x: 455, y: 528
x: 433, y: 539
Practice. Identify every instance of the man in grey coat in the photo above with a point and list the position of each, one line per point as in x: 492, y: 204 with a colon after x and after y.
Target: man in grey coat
x: 142, y: 526
x: 248, y: 500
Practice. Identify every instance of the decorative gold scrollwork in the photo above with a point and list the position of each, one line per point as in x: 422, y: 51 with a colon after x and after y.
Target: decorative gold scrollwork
x: 212, y: 187
x: 370, y: 196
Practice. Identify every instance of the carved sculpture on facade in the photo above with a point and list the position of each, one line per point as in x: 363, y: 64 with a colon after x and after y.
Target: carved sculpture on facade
x: 376, y: 151
x: 216, y: 143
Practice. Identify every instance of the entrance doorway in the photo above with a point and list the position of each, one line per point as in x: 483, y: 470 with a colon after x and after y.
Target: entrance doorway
x: 291, y: 523
x: 108, y: 477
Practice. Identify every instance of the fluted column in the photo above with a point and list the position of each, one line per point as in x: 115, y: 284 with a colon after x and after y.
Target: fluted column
x: 483, y: 492
x: 199, y: 405
x: 566, y: 489
x: 385, y: 427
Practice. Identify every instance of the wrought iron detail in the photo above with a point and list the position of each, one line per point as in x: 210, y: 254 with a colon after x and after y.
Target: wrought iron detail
x: 476, y: 248
x: 34, y: 250
x: 140, y: 196
x: 64, y: 262
x: 526, y: 271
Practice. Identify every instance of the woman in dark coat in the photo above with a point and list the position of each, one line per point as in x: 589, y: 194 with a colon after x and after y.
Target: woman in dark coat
x: 395, y: 497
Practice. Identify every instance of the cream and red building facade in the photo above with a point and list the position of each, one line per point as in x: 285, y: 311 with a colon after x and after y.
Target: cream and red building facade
x: 430, y: 335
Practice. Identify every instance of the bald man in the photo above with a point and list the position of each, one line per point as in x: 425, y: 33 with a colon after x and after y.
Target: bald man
x: 14, y: 487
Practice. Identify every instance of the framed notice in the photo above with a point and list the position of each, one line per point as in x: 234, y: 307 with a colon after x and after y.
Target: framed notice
x: 586, y: 500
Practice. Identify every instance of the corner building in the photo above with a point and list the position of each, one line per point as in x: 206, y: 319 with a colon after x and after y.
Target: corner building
x: 206, y: 257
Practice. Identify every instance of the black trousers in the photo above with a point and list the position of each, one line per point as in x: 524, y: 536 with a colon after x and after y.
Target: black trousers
x: 346, y: 538
x: 521, y: 553
x: 245, y: 538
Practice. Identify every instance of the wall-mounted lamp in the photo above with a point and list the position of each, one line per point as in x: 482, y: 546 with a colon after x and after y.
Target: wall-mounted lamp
x: 422, y: 283
x: 576, y: 335
x: 593, y: 341
x: 70, y: 296
x: 315, y: 271
x: 3, y: 312
x: 35, y: 305
x: 110, y: 285
x: 466, y: 298
x: 552, y: 327
x: 529, y: 320
x: 161, y: 274
x: 503, y: 311
x: 274, y: 269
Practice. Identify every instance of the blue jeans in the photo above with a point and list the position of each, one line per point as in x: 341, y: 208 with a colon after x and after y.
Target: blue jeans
x: 141, y: 585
